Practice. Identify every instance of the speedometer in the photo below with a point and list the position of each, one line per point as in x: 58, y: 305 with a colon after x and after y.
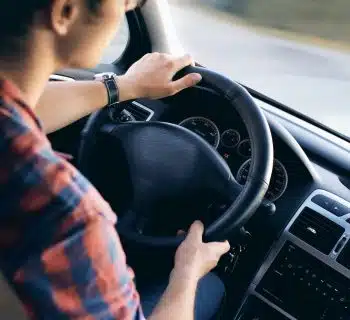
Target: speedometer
x: 278, y: 182
x: 203, y: 127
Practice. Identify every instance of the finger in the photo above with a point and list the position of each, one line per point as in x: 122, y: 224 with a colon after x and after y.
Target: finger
x: 196, y: 232
x: 219, y: 248
x: 182, y: 62
x: 187, y: 81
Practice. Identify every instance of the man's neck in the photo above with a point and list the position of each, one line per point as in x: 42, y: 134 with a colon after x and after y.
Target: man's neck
x: 29, y: 73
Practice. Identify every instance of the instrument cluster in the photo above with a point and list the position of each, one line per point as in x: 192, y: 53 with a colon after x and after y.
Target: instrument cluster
x: 232, y: 144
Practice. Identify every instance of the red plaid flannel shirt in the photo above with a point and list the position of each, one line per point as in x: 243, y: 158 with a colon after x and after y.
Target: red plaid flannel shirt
x: 58, y: 245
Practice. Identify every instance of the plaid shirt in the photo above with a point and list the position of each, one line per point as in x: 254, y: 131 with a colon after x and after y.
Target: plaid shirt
x: 58, y: 246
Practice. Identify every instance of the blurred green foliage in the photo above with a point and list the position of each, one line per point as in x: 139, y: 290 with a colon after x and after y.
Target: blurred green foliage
x: 328, y: 19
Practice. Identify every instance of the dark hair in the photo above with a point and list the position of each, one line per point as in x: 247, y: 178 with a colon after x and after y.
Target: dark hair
x: 16, y: 17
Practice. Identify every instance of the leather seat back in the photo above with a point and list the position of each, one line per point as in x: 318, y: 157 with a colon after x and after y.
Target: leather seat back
x: 10, y: 306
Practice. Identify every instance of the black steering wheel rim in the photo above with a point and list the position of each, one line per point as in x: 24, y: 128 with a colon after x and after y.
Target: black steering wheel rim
x: 249, y: 197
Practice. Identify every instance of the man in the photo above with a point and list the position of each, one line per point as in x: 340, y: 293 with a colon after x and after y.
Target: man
x: 58, y: 246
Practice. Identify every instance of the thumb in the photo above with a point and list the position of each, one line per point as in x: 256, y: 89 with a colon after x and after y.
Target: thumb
x: 196, y: 232
x: 220, y: 248
x: 187, y: 81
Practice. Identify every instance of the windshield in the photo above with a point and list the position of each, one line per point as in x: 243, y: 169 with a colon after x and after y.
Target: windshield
x: 295, y: 51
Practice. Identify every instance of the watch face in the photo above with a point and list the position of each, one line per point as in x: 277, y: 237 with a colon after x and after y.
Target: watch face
x: 104, y: 76
x: 108, y: 75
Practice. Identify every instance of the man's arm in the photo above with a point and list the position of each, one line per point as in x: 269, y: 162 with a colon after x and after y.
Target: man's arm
x: 65, y: 102
x: 151, y: 77
x: 193, y: 260
x: 178, y: 299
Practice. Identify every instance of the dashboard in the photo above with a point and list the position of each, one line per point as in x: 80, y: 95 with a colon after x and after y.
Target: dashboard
x: 307, y: 273
x: 296, y: 264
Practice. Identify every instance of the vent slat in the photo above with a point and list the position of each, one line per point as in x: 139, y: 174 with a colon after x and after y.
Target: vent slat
x: 317, y: 230
x: 139, y: 112
x: 307, y: 219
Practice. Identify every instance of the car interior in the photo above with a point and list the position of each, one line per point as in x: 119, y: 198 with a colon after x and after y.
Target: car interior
x: 272, y: 181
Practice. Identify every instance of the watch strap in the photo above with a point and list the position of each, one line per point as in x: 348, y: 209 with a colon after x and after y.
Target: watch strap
x: 110, y: 81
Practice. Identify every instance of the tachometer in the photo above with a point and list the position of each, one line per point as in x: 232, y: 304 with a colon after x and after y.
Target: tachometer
x: 278, y: 183
x: 230, y: 138
x: 204, y: 127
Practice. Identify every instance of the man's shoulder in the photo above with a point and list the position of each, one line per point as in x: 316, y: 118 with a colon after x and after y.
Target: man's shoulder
x: 36, y: 178
x: 20, y: 137
x: 15, y: 115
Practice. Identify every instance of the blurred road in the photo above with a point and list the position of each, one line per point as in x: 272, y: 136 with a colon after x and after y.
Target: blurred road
x: 313, y: 80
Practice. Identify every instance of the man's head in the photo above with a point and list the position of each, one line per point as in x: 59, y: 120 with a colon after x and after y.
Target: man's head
x: 74, y: 32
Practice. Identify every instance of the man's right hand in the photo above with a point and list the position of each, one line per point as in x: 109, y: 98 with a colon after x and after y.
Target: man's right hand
x: 160, y: 68
x: 194, y: 258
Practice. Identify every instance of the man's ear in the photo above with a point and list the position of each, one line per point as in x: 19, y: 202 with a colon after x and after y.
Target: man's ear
x: 63, y: 15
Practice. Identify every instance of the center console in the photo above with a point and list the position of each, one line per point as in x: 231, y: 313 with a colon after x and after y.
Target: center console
x: 307, y: 273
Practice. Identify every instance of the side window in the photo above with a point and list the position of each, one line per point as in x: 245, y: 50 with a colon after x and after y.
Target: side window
x: 118, y: 44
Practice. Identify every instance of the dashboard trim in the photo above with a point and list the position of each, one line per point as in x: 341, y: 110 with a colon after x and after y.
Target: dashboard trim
x: 272, y: 305
x: 329, y: 260
x: 151, y: 112
x: 58, y: 77
x: 285, y: 116
x: 328, y: 150
x: 281, y: 131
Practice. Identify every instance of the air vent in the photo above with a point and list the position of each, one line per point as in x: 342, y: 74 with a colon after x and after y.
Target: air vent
x: 317, y: 230
x: 139, y: 111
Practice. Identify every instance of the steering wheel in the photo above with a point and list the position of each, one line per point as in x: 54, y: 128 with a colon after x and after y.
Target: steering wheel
x: 167, y: 164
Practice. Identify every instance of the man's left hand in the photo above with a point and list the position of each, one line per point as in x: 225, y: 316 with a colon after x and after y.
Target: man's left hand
x: 152, y: 77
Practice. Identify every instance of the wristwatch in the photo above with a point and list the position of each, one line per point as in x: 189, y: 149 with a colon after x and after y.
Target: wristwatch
x: 110, y: 81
